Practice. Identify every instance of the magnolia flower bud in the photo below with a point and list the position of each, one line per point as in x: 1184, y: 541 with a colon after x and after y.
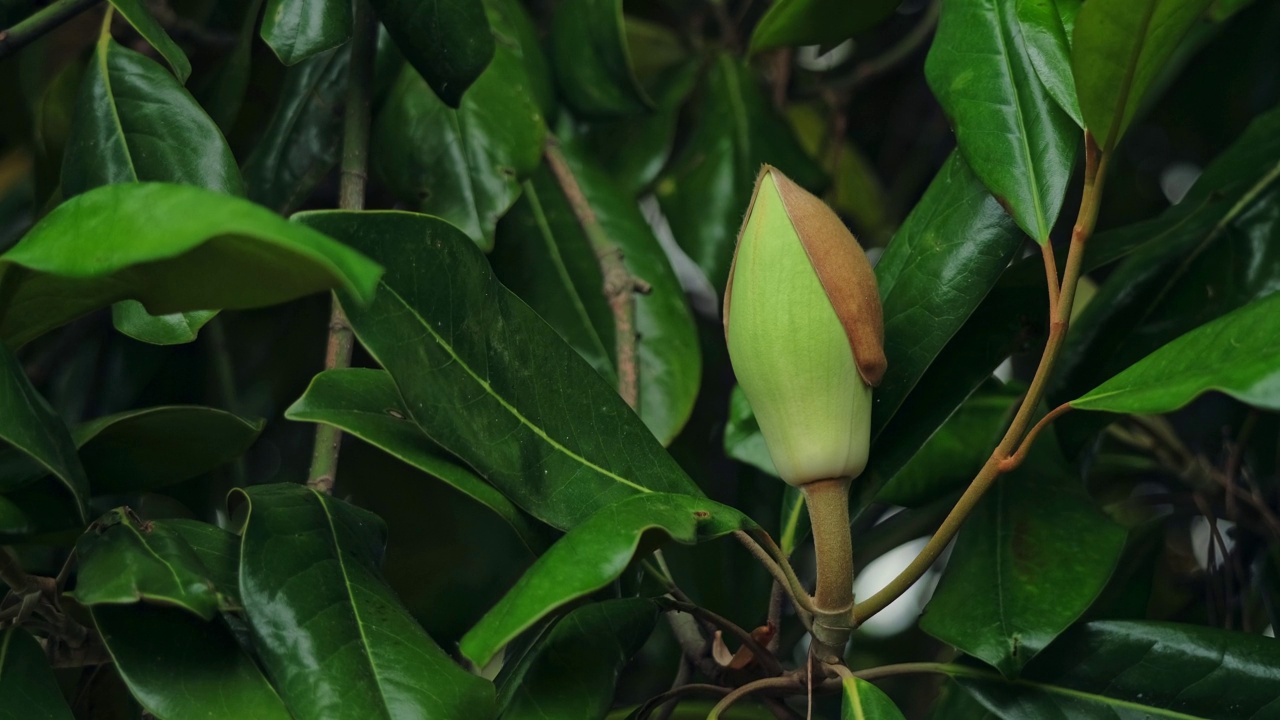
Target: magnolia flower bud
x: 805, y: 331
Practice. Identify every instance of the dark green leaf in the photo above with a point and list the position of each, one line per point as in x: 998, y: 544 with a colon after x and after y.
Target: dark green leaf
x: 179, y: 666
x: 463, y: 165
x: 1139, y: 669
x: 491, y: 382
x: 366, y: 404
x: 515, y: 32
x: 1236, y: 354
x: 594, y: 554
x: 1036, y: 565
x: 218, y: 550
x: 1118, y: 47
x: 303, y: 138
x: 132, y: 319
x: 173, y: 247
x: 33, y: 428
x: 816, y: 22
x: 330, y: 632
x: 1210, y: 254
x: 136, y: 13
x: 743, y: 440
x: 123, y: 560
x: 706, y: 191
x: 447, y: 41
x: 544, y: 240
x: 863, y: 701
x: 135, y: 123
x: 1009, y: 129
x: 937, y: 269
x: 222, y: 92
x: 572, y: 670
x: 955, y: 453
x: 1048, y: 43
x: 28, y: 689
x: 296, y: 30
x: 592, y: 60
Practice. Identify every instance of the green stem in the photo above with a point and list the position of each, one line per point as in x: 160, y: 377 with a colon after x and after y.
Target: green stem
x: 351, y: 196
x: 40, y: 23
x: 1060, y: 315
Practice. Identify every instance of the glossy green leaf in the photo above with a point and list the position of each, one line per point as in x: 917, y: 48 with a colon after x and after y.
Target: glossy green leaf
x: 174, y: 248
x: 572, y: 670
x: 366, y: 404
x: 1036, y: 565
x: 463, y: 165
x: 28, y: 689
x: 516, y: 32
x: 135, y: 123
x: 955, y: 453
x: 594, y: 554
x: 329, y: 631
x: 448, y: 42
x: 1202, y: 258
x: 707, y: 188
x: 937, y: 269
x: 137, y: 14
x: 1237, y: 354
x: 123, y: 560
x: 1118, y: 47
x: 33, y: 428
x: 1048, y: 42
x: 1139, y: 669
x: 217, y: 549
x: 303, y: 138
x: 543, y: 239
x: 1009, y: 129
x: 592, y: 61
x: 223, y: 90
x: 489, y: 381
x: 299, y: 29
x: 179, y: 666
x: 860, y: 700
x: 816, y: 22
x: 132, y: 319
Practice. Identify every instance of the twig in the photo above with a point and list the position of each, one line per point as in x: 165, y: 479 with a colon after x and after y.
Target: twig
x: 781, y: 571
x: 11, y: 572
x: 777, y: 596
x: 898, y: 53
x: 351, y: 196
x: 39, y: 23
x: 1094, y: 175
x: 766, y: 658
x: 683, y: 672
x: 1013, y: 461
x: 620, y: 286
x: 1051, y: 276
x: 786, y: 683
x: 676, y: 694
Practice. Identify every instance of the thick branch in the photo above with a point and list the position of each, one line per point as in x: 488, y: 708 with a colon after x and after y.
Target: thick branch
x: 39, y: 23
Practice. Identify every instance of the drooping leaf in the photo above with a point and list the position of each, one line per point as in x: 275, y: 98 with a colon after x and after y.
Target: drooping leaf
x: 955, y: 453
x: 366, y: 404
x: 937, y: 269
x: 1048, y: 41
x: 1238, y: 354
x: 592, y: 61
x: 706, y: 190
x: 1009, y: 129
x: 592, y: 555
x: 303, y: 138
x: 296, y: 30
x: 464, y: 165
x: 544, y: 239
x: 1036, y: 565
x: 1117, y: 668
x: 132, y: 319
x: 329, y: 631
x: 1118, y: 47
x: 571, y: 670
x: 172, y: 247
x: 179, y: 666
x: 32, y: 427
x: 123, y: 560
x: 137, y: 14
x: 816, y: 22
x: 860, y: 700
x: 489, y: 381
x: 448, y: 42
x: 28, y: 689
x: 1203, y: 258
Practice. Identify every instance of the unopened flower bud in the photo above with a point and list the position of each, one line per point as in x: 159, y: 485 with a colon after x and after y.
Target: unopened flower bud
x: 805, y: 331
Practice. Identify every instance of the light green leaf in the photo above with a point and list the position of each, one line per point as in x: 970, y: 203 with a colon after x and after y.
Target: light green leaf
x: 861, y: 700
